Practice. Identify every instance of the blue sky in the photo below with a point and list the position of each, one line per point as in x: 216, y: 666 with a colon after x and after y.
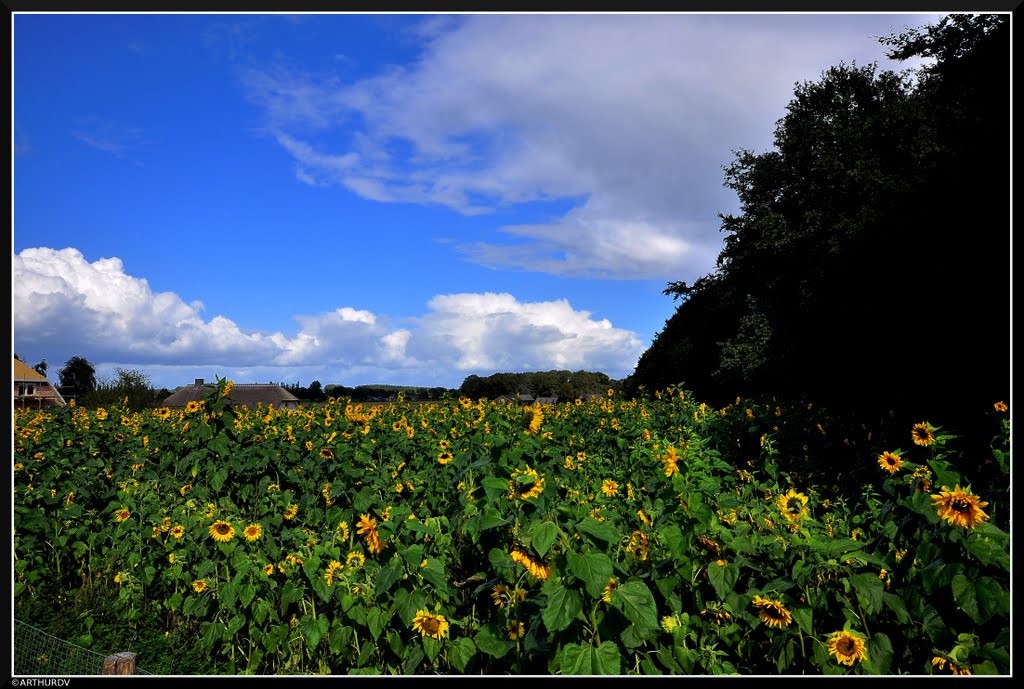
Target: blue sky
x: 393, y: 198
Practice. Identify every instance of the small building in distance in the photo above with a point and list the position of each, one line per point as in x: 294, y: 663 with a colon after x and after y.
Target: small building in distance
x: 33, y: 390
x: 250, y: 395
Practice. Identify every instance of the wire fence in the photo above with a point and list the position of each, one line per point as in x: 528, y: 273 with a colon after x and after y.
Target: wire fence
x: 39, y: 653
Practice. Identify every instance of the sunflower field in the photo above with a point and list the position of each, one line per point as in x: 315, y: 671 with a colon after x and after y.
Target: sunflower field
x: 645, y: 536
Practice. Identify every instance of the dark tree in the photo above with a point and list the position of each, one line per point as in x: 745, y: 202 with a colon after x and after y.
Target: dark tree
x: 869, y: 263
x: 79, y: 375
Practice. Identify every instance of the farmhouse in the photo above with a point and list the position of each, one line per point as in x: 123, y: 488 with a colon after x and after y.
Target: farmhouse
x: 32, y: 390
x: 249, y: 395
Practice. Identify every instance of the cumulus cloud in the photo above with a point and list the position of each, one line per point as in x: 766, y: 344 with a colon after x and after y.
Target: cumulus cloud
x: 630, y: 116
x: 64, y: 306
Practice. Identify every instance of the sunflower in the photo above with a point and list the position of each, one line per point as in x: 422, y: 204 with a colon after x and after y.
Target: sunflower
x: 222, y: 531
x: 671, y: 460
x: 268, y: 570
x: 444, y: 457
x: 793, y: 505
x: 516, y: 630
x: 960, y: 507
x: 848, y: 647
x: 365, y: 524
x: 638, y: 545
x: 772, y: 613
x: 199, y: 585
x: 253, y: 532
x: 1000, y: 406
x: 610, y: 488
x: 331, y: 569
x: 922, y: 434
x: 606, y: 595
x: 890, y: 461
x: 355, y: 557
x: 434, y: 626
x: 530, y: 482
x: 536, y: 419
x: 291, y: 512
x: 499, y: 593
x: 716, y: 613
x: 122, y: 515
x: 535, y: 568
x: 641, y: 515
x: 192, y: 407
x: 956, y: 669
x: 178, y: 531
x: 710, y: 546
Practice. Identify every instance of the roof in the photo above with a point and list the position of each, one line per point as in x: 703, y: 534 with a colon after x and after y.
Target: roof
x: 248, y: 394
x: 547, y: 400
x: 23, y: 371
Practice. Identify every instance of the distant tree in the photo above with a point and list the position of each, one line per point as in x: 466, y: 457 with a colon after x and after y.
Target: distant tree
x: 315, y: 392
x: 41, y: 367
x: 79, y: 375
x: 130, y: 388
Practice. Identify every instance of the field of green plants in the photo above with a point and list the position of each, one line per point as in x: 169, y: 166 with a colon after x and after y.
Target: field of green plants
x: 647, y: 536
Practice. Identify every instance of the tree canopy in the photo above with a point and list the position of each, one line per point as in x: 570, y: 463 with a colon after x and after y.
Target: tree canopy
x: 869, y: 263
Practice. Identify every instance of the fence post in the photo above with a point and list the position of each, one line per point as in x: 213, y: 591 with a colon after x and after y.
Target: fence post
x: 119, y: 664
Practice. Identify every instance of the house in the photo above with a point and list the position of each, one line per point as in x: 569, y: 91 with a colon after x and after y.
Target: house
x: 505, y: 399
x: 546, y: 400
x: 250, y: 395
x: 32, y: 390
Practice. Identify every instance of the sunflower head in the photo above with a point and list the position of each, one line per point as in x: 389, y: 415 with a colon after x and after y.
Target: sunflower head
x: 848, y: 647
x: 960, y: 507
x: 922, y: 434
x: 772, y: 613
x: 890, y: 461
x: 222, y: 531
x: 427, y: 624
x: 793, y: 505
x: 253, y: 532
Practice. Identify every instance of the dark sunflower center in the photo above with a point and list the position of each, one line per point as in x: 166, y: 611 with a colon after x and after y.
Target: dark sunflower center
x: 431, y: 625
x: 794, y: 506
x: 960, y: 505
x: 222, y: 529
x: 845, y: 646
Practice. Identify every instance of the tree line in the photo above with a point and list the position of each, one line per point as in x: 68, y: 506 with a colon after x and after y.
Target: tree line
x: 565, y: 385
x: 869, y: 264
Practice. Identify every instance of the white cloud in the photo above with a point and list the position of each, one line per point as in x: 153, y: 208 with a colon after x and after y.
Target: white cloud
x: 65, y: 306
x: 632, y: 115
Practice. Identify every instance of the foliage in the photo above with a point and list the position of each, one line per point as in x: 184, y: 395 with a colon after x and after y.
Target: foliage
x: 79, y: 375
x: 566, y: 385
x: 646, y: 536
x: 835, y: 281
x: 131, y: 389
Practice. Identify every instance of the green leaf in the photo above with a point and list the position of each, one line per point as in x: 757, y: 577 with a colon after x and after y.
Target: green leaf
x: 989, y: 552
x: 606, y: 658
x: 594, y: 570
x: 386, y: 577
x: 492, y: 642
x: 672, y: 536
x: 636, y: 602
x: 723, y: 579
x: 234, y: 626
x: 898, y: 606
x: 431, y: 647
x: 313, y: 629
x: 339, y: 638
x: 841, y: 546
x: 880, y: 654
x: 966, y: 597
x: 576, y: 659
x: 944, y: 476
x: 461, y: 652
x: 435, y: 574
x: 562, y: 606
x: 413, y: 556
x: 407, y: 604
x: 492, y: 518
x: 869, y: 590
x: 992, y: 597
x: 600, y: 530
x: 494, y: 487
x: 804, y: 616
x: 376, y: 618
x: 542, y: 536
